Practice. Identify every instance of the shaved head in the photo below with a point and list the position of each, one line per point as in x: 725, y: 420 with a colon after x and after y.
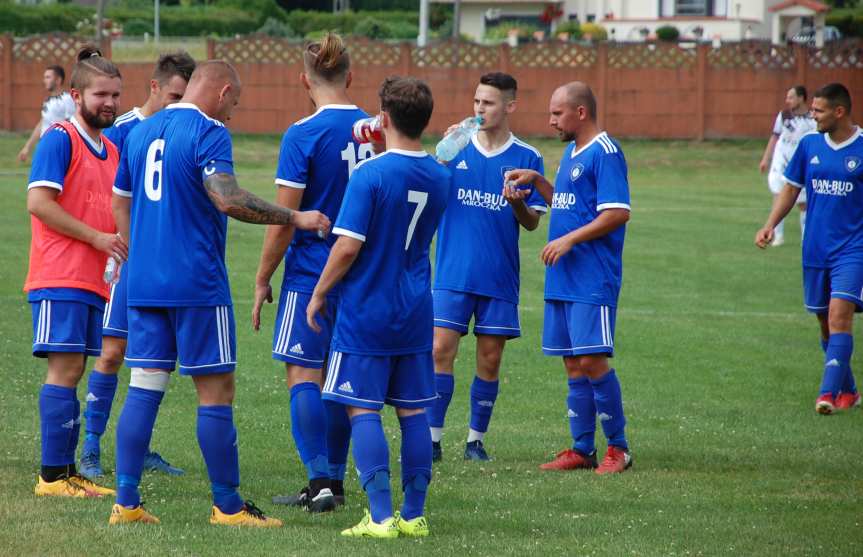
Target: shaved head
x: 214, y: 88
x: 215, y: 72
x: 578, y: 93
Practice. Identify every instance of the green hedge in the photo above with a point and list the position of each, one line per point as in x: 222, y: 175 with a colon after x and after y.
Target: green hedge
x: 30, y: 20
x: 849, y: 25
x: 306, y: 22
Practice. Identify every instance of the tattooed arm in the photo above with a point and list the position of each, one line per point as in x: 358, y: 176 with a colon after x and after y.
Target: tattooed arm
x: 234, y: 201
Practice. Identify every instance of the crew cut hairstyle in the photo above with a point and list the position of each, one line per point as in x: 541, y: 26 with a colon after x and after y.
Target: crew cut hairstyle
x: 178, y: 63
x: 327, y: 59
x: 800, y: 91
x: 835, y: 94
x: 409, y: 103
x: 503, y: 82
x: 91, y: 64
x: 58, y: 71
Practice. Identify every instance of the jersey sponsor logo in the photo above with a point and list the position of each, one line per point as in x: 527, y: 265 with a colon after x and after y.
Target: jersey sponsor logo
x: 832, y: 187
x: 563, y: 200
x: 481, y: 199
x: 852, y: 163
x: 297, y: 349
x: 576, y: 171
x: 461, y: 166
x: 346, y: 387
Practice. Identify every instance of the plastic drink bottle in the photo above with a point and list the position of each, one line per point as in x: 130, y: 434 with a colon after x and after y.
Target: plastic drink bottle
x: 452, y: 143
x: 368, y: 130
x: 112, y: 270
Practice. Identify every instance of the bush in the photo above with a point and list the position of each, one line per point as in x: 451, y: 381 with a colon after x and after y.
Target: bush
x: 594, y: 31
x: 137, y: 27
x: 30, y: 20
x: 667, y: 33
x: 305, y: 22
x: 501, y: 32
x: 571, y: 27
x: 849, y: 25
x: 371, y: 28
x: 275, y: 28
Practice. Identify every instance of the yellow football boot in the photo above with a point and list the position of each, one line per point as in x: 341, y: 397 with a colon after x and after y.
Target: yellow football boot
x: 368, y: 528
x: 91, y: 486
x: 249, y: 515
x: 123, y: 515
x: 64, y: 487
x: 414, y: 528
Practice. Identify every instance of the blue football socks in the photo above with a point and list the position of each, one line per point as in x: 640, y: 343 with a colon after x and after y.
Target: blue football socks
x: 581, y: 410
x: 371, y: 456
x: 416, y: 455
x: 338, y: 439
x: 445, y: 385
x: 309, y: 428
x: 134, y: 429
x: 483, y: 395
x: 101, y: 388
x: 217, y: 438
x: 609, y: 408
x: 58, y: 414
x: 837, y: 363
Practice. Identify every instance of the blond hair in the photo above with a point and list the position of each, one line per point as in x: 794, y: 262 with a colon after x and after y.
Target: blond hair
x: 327, y: 59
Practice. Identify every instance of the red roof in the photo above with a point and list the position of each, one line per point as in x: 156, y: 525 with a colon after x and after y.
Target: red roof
x: 811, y: 4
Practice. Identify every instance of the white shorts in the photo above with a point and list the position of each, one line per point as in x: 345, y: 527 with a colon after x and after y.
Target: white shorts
x: 776, y: 181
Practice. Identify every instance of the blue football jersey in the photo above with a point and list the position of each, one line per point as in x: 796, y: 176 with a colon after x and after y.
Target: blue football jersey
x: 318, y: 154
x: 477, y: 242
x: 122, y: 126
x: 591, y: 179
x: 833, y: 177
x: 393, y: 204
x: 177, y: 240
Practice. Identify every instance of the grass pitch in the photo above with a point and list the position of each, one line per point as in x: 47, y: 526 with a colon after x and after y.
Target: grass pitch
x: 719, y: 364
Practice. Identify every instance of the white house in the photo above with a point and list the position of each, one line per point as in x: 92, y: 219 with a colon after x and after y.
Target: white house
x: 633, y: 20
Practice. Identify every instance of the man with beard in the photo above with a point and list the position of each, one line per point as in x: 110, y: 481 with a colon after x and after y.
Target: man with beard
x: 167, y: 85
x: 829, y: 166
x: 73, y: 233
x: 584, y: 263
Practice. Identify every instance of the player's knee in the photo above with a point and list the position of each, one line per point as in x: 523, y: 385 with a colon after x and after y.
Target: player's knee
x: 490, y: 359
x: 111, y: 358
x: 150, y: 380
x: 443, y: 351
x: 591, y: 365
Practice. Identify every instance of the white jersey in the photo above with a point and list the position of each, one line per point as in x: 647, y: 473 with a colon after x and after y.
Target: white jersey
x: 57, y: 108
x: 790, y: 128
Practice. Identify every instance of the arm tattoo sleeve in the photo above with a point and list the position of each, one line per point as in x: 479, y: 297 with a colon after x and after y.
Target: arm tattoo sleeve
x: 242, y: 205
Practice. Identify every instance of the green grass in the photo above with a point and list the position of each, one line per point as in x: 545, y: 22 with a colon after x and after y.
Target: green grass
x: 720, y: 368
x: 140, y: 51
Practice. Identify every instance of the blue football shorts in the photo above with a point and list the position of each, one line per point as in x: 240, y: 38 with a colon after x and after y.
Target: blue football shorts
x: 574, y: 328
x: 405, y: 381
x: 492, y: 316
x: 843, y: 280
x: 66, y: 326
x: 202, y: 339
x: 294, y: 342
x: 116, y: 322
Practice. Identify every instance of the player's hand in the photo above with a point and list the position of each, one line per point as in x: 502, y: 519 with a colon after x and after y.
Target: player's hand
x: 263, y: 293
x: 513, y: 193
x: 317, y: 305
x: 314, y: 221
x: 764, y: 237
x: 762, y: 166
x: 554, y: 250
x: 451, y: 129
x: 23, y: 154
x: 521, y: 177
x: 112, y: 244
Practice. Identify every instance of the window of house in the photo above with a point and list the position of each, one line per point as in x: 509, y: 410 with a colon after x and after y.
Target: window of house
x: 693, y: 7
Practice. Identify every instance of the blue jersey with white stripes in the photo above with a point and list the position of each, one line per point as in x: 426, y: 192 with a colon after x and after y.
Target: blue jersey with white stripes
x: 318, y: 155
x: 122, y: 126
x: 177, y: 243
x: 833, y: 177
x: 477, y: 242
x: 393, y: 204
x: 591, y: 179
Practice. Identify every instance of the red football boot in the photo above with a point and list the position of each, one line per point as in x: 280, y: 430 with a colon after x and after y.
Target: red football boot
x: 825, y: 404
x: 570, y: 459
x: 846, y: 401
x: 616, y: 460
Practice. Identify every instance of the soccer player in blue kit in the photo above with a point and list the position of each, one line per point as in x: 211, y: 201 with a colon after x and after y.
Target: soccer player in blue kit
x: 382, y: 338
x: 174, y: 187
x: 167, y: 85
x: 477, y: 259
x: 317, y: 156
x: 584, y: 261
x: 829, y: 165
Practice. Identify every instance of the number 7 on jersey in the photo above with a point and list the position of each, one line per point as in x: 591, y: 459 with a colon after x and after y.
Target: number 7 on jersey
x: 420, y: 198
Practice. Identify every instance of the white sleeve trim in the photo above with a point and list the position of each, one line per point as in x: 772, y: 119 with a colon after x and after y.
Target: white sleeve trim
x: 604, y: 206
x: 350, y: 234
x: 121, y: 193
x: 539, y: 208
x: 791, y: 182
x: 45, y: 184
x: 290, y: 184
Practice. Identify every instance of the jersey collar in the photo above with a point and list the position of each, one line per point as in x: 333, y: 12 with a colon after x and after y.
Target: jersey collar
x: 846, y: 143
x: 493, y: 152
x: 192, y: 106
x: 337, y: 107
x: 407, y: 153
x: 97, y: 148
x: 576, y: 149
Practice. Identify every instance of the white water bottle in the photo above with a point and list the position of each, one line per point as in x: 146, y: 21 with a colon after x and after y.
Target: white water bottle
x: 452, y: 143
x: 112, y: 270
